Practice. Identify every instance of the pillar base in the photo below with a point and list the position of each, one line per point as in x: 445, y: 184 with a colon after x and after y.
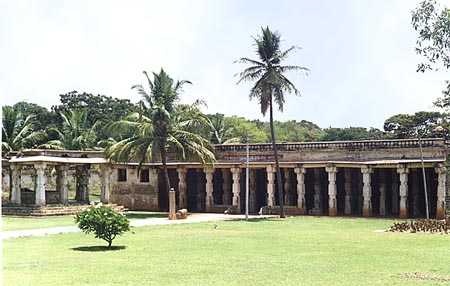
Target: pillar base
x: 301, y: 211
x: 367, y: 212
x: 332, y: 212
x: 403, y: 213
x: 440, y: 213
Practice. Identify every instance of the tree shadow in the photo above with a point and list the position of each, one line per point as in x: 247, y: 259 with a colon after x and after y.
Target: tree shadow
x: 97, y: 248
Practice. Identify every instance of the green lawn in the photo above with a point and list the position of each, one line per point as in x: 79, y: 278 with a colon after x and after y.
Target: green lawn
x: 295, y: 251
x: 21, y: 223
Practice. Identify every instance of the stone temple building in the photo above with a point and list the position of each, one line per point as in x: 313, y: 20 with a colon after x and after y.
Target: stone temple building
x: 356, y: 178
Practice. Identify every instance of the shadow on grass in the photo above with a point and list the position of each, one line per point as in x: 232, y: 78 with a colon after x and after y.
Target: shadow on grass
x: 256, y: 219
x: 142, y: 215
x: 97, y: 248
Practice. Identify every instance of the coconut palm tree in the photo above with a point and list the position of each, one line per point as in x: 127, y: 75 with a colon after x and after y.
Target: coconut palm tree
x: 18, y: 132
x: 161, y: 126
x: 270, y: 84
x: 75, y: 133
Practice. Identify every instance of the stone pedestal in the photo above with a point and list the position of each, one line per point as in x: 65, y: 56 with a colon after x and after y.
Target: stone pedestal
x: 441, y: 187
x: 270, y: 186
x: 348, y: 191
x: 172, y: 205
x: 367, y: 191
x: 332, y: 203
x: 40, y: 184
x: 182, y: 188
x: 403, y: 190
x: 301, y: 190
x: 209, y: 201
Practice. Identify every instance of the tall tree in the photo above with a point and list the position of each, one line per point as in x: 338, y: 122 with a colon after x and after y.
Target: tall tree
x: 270, y: 84
x: 161, y: 126
x: 432, y: 24
x: 19, y: 131
x: 76, y: 132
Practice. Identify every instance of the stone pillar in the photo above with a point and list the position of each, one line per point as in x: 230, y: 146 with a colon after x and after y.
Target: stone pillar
x: 395, y: 194
x: 200, y: 187
x: 270, y: 186
x: 367, y: 191
x: 441, y: 187
x: 287, y: 186
x: 82, y: 176
x: 317, y: 210
x: 301, y: 190
x: 15, y: 184
x: 105, y: 171
x: 226, y: 186
x: 382, y: 189
x: 62, y: 183
x: 172, y: 205
x: 348, y: 191
x: 182, y: 188
x: 403, y: 190
x: 332, y: 203
x: 209, y: 199
x: 40, y: 183
x: 252, y: 191
x: 236, y: 172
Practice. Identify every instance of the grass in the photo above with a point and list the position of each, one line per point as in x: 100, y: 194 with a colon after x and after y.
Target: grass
x: 21, y: 223
x: 295, y: 251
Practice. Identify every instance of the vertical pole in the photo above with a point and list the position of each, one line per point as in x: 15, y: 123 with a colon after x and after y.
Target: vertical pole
x: 247, y: 183
x: 424, y: 177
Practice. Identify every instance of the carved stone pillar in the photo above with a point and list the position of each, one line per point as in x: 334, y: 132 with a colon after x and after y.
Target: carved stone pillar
x: 82, y: 191
x: 441, y: 187
x: 15, y: 184
x: 182, y: 188
x: 236, y: 172
x: 348, y: 191
x: 62, y: 184
x: 209, y: 200
x: 270, y: 186
x: 332, y: 204
x: 287, y: 186
x: 226, y: 186
x: 252, y: 191
x: 395, y: 194
x: 200, y: 188
x: 367, y: 191
x: 105, y: 186
x: 403, y: 190
x: 301, y: 190
x: 317, y: 210
x: 382, y: 189
x: 40, y: 183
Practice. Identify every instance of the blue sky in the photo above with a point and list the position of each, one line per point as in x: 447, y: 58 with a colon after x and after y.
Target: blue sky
x: 361, y: 53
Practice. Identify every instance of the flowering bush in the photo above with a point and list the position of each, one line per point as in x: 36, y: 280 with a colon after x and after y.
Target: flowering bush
x: 103, y: 221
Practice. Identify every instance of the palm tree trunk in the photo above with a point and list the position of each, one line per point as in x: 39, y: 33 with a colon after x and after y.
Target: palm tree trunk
x: 277, y: 165
x: 162, y: 150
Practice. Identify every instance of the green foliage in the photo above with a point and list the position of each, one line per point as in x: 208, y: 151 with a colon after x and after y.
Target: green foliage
x: 19, y: 131
x: 421, y: 124
x: 352, y: 133
x: 103, y: 222
x: 76, y: 132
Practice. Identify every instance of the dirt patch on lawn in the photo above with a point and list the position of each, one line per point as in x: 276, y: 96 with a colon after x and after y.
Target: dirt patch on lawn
x: 425, y: 277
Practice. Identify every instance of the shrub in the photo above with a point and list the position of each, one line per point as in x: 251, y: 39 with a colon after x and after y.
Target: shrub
x: 103, y: 221
x: 422, y: 225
